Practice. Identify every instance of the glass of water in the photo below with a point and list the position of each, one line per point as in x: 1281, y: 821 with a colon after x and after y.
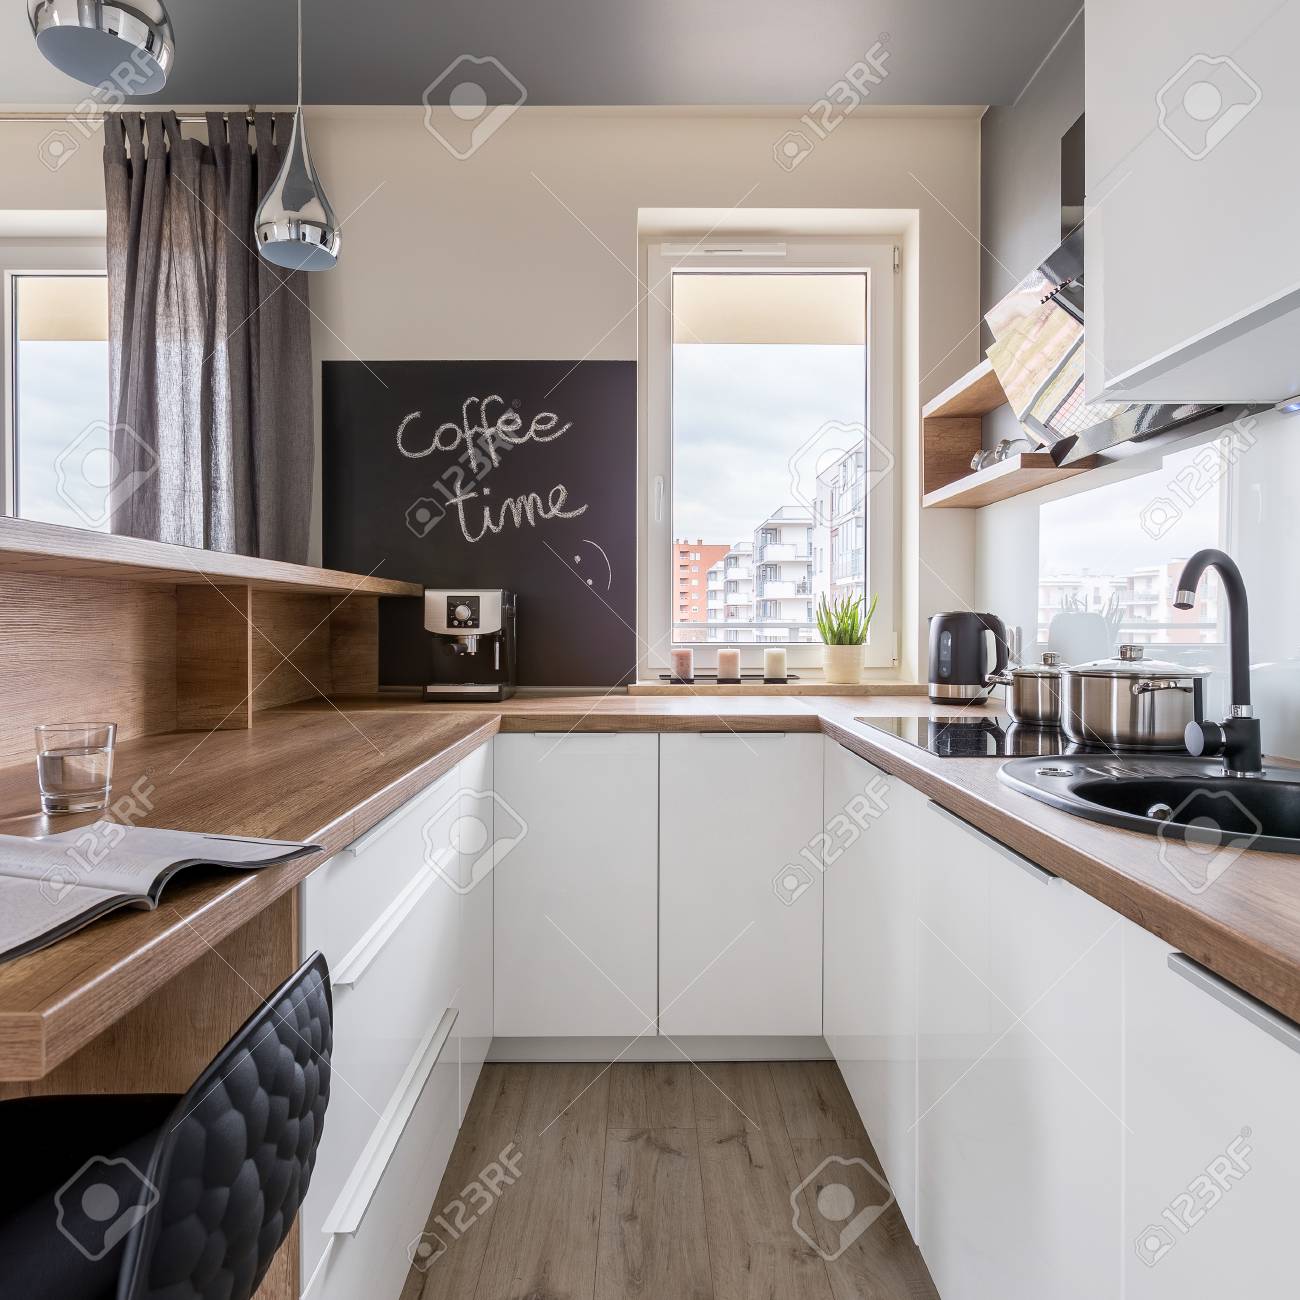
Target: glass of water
x: 74, y: 765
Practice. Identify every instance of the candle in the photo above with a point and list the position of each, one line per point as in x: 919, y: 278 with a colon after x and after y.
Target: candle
x: 728, y: 665
x: 683, y: 665
x: 774, y: 664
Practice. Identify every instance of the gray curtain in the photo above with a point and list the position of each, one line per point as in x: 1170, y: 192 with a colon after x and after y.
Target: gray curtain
x: 209, y: 346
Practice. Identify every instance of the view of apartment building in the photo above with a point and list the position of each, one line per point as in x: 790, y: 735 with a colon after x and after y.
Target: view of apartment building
x: 839, y: 525
x: 767, y: 589
x: 1139, y: 603
x: 691, y: 563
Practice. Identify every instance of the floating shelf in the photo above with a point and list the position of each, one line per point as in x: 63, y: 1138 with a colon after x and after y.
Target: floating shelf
x: 1008, y: 478
x: 952, y: 431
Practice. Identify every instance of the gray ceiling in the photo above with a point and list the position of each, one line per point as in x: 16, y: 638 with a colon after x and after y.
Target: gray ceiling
x: 750, y: 52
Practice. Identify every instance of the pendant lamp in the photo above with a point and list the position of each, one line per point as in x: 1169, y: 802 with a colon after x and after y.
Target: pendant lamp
x: 124, y: 48
x: 295, y: 226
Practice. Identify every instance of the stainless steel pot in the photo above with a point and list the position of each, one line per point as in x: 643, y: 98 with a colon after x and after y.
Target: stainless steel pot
x: 1034, y: 692
x: 1130, y: 702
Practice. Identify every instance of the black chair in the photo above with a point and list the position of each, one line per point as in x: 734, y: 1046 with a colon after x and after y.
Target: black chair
x: 144, y: 1197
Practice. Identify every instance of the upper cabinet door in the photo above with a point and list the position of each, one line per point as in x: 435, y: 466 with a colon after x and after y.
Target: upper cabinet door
x: 574, y: 884
x: 740, y: 904
x: 1192, y: 260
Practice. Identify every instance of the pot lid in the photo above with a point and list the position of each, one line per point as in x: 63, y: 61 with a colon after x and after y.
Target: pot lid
x: 1132, y: 662
x: 1050, y: 667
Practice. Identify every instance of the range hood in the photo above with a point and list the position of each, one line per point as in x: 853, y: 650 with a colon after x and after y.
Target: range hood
x: 1037, y: 354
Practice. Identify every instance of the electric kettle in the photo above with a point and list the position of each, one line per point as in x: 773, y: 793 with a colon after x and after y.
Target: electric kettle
x: 959, y: 669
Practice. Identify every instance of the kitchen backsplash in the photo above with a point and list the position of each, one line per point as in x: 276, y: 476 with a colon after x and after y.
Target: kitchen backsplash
x: 1092, y: 563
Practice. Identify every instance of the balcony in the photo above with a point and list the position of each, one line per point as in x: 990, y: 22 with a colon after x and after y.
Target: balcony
x: 776, y: 552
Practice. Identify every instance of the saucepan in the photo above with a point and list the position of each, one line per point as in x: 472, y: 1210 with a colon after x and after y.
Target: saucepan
x: 1131, y: 702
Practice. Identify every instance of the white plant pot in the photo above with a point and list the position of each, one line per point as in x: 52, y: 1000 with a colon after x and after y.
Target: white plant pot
x: 842, y: 664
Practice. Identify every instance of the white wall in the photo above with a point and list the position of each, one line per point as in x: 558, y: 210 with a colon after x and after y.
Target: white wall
x: 528, y: 249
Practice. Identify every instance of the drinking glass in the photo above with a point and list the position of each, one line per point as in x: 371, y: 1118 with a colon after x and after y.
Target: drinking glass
x: 74, y: 765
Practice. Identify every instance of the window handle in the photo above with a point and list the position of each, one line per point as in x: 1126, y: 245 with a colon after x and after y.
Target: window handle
x: 659, y: 498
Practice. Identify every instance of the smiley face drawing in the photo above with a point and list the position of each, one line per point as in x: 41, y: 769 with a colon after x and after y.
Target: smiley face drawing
x: 609, y: 568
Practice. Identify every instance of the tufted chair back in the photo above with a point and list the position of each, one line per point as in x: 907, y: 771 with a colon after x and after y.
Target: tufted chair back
x: 232, y: 1164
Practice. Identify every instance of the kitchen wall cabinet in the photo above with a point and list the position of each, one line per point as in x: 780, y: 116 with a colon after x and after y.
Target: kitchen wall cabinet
x: 575, y: 884
x: 872, y: 859
x: 1213, y: 1145
x: 1019, y: 1096
x: 740, y: 903
x: 1192, y: 265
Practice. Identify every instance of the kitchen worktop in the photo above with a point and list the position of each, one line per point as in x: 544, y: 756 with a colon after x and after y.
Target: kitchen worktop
x: 327, y: 771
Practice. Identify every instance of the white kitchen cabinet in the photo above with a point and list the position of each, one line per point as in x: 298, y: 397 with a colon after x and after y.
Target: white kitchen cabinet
x: 1019, y: 1076
x: 740, y: 889
x: 575, y: 884
x: 1192, y: 264
x: 475, y: 833
x: 871, y: 855
x: 387, y: 914
x: 1213, y: 1151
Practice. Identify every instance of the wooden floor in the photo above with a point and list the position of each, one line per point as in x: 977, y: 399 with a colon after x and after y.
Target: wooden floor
x: 665, y: 1182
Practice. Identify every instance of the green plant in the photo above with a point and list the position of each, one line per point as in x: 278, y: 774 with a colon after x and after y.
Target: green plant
x: 842, y: 621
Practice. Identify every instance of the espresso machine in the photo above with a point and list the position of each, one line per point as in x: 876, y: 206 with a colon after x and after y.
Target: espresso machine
x: 473, y: 644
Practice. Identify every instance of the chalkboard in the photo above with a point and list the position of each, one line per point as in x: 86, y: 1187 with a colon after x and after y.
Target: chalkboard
x: 515, y: 474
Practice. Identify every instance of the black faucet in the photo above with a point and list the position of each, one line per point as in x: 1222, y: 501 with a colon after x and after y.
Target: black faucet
x: 1237, y: 737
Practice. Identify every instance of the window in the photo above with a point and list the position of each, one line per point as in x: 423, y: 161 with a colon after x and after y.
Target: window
x: 58, y: 455
x: 770, y: 435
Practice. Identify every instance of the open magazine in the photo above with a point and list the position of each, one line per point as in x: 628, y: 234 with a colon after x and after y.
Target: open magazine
x: 54, y: 885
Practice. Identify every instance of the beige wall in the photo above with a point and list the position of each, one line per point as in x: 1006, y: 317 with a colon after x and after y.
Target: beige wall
x: 528, y: 249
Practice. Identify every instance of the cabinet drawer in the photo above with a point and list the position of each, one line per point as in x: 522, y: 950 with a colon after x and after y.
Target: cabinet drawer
x: 380, y: 1022
x: 343, y: 898
x: 356, y: 1242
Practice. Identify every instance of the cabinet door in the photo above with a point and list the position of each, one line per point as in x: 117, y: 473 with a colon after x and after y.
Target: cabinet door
x: 740, y: 905
x: 474, y: 844
x: 575, y: 884
x: 869, y: 1002
x: 1019, y: 1076
x: 1213, y: 1151
x: 1192, y: 266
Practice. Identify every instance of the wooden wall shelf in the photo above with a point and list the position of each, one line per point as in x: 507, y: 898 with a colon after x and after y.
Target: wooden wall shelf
x: 1008, y: 478
x: 952, y: 431
x: 83, y: 553
x: 161, y: 638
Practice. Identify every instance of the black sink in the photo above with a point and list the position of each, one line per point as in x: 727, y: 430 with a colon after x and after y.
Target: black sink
x: 1176, y: 797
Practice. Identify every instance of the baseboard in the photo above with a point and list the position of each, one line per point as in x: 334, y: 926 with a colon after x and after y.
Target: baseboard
x: 656, y: 1048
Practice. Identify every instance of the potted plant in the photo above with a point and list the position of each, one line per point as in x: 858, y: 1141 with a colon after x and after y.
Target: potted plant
x: 843, y: 626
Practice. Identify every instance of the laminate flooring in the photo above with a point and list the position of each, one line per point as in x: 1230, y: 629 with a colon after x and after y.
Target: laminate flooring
x: 665, y: 1182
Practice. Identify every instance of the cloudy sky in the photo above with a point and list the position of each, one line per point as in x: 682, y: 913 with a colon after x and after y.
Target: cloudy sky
x: 63, y: 404
x: 740, y: 413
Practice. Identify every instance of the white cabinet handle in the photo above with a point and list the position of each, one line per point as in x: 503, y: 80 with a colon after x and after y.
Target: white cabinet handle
x: 354, y: 1200
x: 727, y: 734
x: 358, y: 959
x: 1041, y: 874
x: 1264, y: 1017
x: 381, y: 828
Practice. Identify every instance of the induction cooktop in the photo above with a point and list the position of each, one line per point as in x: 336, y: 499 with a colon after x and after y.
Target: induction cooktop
x: 976, y: 735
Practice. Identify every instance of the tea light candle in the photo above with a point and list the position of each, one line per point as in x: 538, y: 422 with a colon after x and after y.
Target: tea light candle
x: 728, y: 665
x: 683, y: 662
x: 774, y: 664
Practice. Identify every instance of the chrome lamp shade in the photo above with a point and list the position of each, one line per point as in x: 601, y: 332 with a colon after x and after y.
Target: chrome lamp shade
x: 295, y: 225
x: 118, y: 47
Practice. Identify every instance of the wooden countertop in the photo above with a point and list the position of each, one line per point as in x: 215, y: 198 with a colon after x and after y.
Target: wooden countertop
x: 328, y: 771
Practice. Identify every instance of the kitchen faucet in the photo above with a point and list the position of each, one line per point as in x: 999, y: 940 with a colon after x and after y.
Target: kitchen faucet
x: 1237, y: 737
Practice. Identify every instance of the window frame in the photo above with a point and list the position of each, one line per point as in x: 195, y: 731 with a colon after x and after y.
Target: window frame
x: 9, y: 467
x: 655, y: 573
